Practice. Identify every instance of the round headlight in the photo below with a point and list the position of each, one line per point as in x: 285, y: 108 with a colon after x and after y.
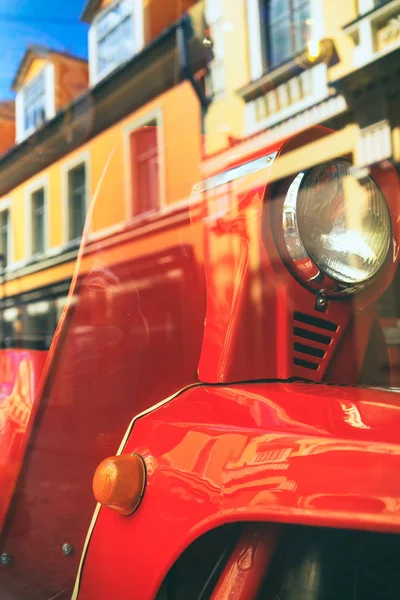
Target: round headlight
x: 336, y: 225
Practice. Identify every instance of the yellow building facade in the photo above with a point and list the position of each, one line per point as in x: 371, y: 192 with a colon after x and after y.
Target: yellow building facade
x: 281, y: 67
x: 338, y: 70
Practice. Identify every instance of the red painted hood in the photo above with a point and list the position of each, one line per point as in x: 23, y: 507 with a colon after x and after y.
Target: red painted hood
x: 289, y: 452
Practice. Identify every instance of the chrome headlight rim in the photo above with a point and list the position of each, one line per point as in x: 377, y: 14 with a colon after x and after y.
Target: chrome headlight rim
x: 302, y: 263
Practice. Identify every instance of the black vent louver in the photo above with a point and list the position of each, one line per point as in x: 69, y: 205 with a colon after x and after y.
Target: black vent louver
x: 312, y: 336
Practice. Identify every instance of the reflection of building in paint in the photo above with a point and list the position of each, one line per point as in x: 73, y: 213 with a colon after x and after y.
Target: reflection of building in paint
x: 352, y: 415
x: 205, y: 455
x: 15, y: 409
x: 270, y: 452
x: 276, y: 452
x: 7, y: 373
x: 346, y: 502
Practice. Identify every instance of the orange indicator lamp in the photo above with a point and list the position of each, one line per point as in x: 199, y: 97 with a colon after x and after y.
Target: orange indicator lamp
x: 119, y: 482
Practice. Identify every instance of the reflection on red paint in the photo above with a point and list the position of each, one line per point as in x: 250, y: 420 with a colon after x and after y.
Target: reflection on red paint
x: 20, y: 374
x: 352, y: 415
x: 16, y: 408
x: 265, y: 452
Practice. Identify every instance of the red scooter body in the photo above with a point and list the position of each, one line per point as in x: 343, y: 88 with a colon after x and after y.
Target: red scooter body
x: 267, y: 452
x: 189, y: 320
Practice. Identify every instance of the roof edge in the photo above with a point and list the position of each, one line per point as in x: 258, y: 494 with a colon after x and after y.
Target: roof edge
x: 119, y: 89
x: 41, y: 52
x: 89, y: 10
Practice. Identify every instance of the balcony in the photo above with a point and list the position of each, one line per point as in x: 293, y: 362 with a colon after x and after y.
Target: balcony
x: 376, y: 32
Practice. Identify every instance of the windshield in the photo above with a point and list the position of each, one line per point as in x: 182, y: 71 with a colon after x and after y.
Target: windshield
x: 190, y: 193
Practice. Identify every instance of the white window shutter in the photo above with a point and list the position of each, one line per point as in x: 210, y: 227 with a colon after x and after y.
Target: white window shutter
x: 213, y: 10
x: 50, y: 91
x: 10, y: 237
x: 254, y: 39
x: 214, y: 16
x: 19, y: 107
x: 374, y: 143
x: 92, y: 54
x: 365, y: 6
x: 138, y: 24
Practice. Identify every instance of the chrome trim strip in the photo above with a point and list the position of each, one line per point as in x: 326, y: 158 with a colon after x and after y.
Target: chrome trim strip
x: 235, y: 173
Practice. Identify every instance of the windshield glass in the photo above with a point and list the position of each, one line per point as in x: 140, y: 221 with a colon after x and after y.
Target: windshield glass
x: 190, y: 193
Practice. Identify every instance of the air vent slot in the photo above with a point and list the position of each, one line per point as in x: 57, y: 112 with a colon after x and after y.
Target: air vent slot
x: 312, y: 336
x: 303, y: 349
x: 306, y: 364
x: 315, y: 322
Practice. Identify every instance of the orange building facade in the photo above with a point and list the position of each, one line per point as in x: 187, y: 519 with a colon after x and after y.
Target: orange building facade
x: 137, y: 118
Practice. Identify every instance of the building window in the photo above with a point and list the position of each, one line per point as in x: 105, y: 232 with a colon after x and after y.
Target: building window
x: 38, y: 221
x: 38, y: 325
x: 34, y: 96
x: 5, y: 236
x: 76, y: 181
x: 288, y: 27
x: 112, y: 38
x: 35, y: 103
x: 144, y: 151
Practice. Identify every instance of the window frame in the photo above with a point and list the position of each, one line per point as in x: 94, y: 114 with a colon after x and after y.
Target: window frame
x: 138, y: 38
x: 157, y: 116
x: 288, y: 20
x: 41, y: 183
x: 79, y: 159
x: 258, y: 59
x: 32, y: 310
x: 216, y: 77
x: 49, y: 102
x: 258, y: 66
x: 6, y: 205
x: 364, y: 6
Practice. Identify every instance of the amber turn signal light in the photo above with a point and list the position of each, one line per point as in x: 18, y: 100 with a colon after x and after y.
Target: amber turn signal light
x: 119, y: 482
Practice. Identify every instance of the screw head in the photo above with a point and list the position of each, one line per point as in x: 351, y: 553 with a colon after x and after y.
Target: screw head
x: 5, y: 558
x: 66, y: 549
x: 321, y: 302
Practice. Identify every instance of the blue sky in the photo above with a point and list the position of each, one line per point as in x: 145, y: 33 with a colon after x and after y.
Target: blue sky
x: 23, y: 22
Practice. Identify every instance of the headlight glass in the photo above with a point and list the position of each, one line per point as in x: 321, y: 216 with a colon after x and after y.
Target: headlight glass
x: 339, y: 222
